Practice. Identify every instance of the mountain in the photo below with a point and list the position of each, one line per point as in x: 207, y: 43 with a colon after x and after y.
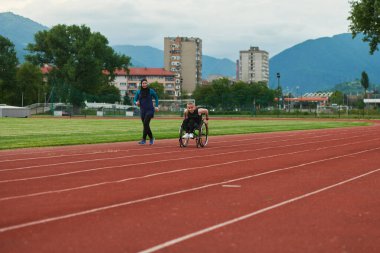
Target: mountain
x: 19, y: 30
x: 145, y: 56
x: 212, y: 66
x: 313, y: 65
x: 142, y: 56
x: 320, y: 64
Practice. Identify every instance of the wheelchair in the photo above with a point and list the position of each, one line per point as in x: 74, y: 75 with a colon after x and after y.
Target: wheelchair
x: 200, y: 135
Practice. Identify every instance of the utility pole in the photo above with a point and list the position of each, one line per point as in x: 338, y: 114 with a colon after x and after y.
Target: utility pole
x: 278, y: 90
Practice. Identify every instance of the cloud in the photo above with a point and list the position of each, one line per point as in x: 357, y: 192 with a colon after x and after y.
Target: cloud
x: 225, y: 26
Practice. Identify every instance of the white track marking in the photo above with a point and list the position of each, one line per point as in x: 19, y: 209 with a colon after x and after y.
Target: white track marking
x: 136, y: 149
x: 250, y: 215
x: 176, y: 171
x: 176, y: 159
x: 59, y: 149
x: 76, y: 214
x: 137, y: 155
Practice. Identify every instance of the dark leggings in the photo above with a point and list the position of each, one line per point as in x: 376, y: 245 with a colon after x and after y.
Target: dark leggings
x: 146, y: 121
x: 189, y: 125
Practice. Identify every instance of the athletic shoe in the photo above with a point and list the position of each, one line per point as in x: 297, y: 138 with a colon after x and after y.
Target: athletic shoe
x: 142, y: 142
x: 185, y: 136
x: 191, y: 135
x: 151, y: 141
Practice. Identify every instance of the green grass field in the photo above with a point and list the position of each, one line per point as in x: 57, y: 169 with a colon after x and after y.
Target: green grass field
x: 41, y: 132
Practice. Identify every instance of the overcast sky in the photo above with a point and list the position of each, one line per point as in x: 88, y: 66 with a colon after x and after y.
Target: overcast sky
x: 225, y: 26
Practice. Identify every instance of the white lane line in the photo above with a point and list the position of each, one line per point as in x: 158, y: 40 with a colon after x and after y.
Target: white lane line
x: 42, y: 221
x: 106, y: 146
x: 188, y: 169
x: 231, y: 185
x: 63, y: 155
x: 101, y: 151
x: 250, y: 215
x: 256, y: 136
x: 310, y: 136
x: 137, y: 155
x: 176, y: 159
x: 148, y: 176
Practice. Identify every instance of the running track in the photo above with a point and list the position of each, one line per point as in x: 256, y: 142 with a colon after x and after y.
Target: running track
x: 303, y: 191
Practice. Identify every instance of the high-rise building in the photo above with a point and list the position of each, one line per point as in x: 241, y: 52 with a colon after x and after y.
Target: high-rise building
x: 183, y: 56
x: 253, y: 65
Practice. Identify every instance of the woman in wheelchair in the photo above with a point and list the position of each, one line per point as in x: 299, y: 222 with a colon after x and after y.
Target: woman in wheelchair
x: 193, y: 119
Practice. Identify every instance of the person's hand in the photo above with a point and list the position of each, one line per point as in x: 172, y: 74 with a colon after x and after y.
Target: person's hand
x: 138, y: 103
x: 156, y: 109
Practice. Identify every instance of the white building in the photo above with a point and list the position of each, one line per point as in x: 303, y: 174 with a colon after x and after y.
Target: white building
x: 128, y: 83
x: 183, y: 56
x: 253, y: 65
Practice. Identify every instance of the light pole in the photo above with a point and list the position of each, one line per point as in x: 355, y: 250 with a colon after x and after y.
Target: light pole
x: 180, y: 103
x: 278, y: 89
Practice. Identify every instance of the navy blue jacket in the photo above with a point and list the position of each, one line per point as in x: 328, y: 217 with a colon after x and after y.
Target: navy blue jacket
x: 146, y: 104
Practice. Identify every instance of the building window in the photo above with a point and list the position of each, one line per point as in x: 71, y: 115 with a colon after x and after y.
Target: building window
x: 133, y: 85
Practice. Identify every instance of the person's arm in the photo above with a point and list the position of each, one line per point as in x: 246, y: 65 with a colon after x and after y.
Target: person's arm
x: 203, y: 111
x: 154, y: 95
x: 185, y: 114
x: 135, y: 99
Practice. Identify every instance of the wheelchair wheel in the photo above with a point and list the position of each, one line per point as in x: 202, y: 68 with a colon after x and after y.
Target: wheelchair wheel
x: 202, y: 136
x: 183, y: 142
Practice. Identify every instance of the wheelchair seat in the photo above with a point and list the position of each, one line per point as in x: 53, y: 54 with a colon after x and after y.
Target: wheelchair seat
x: 200, y: 135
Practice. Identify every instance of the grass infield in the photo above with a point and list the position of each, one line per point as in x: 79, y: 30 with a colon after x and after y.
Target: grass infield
x: 42, y: 132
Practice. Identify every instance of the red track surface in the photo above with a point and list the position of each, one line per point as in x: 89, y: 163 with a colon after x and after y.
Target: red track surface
x: 304, y: 191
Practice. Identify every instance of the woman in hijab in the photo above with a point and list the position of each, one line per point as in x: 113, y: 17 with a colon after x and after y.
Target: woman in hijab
x: 143, y: 98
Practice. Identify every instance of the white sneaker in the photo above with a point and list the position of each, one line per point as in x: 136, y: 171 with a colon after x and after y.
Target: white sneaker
x: 191, y: 135
x: 185, y: 136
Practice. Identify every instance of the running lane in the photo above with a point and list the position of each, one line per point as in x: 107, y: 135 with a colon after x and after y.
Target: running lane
x: 306, y: 191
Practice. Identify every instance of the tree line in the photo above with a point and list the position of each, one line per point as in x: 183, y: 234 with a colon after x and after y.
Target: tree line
x: 224, y: 95
x: 78, y: 60
x: 79, y: 57
x: 81, y: 66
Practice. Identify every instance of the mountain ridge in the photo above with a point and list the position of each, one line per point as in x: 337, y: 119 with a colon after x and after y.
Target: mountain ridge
x: 21, y: 30
x: 312, y: 65
x: 321, y: 63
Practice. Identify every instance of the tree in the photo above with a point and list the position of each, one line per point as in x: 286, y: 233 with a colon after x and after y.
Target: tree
x: 365, y: 18
x: 79, y: 58
x: 159, y: 88
x: 29, y: 83
x: 365, y: 82
x: 241, y: 96
x: 337, y: 98
x: 222, y: 94
x: 8, y: 68
x: 127, y: 100
x: 262, y: 95
x: 203, y: 95
x: 109, y: 94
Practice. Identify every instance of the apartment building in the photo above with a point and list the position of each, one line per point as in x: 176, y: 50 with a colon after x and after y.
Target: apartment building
x: 183, y: 56
x: 253, y: 65
x: 128, y: 84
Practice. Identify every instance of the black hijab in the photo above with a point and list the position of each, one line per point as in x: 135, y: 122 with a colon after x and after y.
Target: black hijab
x: 144, y: 91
